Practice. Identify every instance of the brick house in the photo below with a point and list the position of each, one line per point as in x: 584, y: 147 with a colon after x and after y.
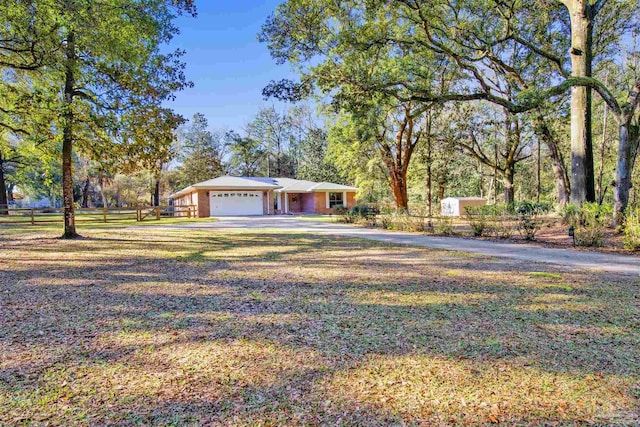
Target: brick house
x: 230, y: 195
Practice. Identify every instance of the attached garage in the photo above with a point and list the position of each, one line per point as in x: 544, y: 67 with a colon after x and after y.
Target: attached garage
x: 235, y: 203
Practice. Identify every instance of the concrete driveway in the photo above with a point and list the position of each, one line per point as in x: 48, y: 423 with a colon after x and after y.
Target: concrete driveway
x: 522, y: 252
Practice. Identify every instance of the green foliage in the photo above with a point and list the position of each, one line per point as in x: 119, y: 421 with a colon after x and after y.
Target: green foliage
x: 479, y: 218
x: 364, y: 211
x: 529, y: 218
x: 590, y: 222
x: 344, y: 215
x: 498, y: 220
x: 200, y: 152
x: 443, y: 225
x: 314, y: 164
x: 631, y: 231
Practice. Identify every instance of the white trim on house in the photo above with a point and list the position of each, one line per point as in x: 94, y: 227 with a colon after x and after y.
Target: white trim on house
x: 286, y: 203
x: 328, y: 201
x: 344, y: 199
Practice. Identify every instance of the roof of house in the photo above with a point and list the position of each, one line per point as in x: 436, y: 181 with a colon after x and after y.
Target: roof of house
x: 289, y: 185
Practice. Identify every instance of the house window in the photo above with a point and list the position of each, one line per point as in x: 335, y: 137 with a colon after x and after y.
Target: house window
x: 335, y: 200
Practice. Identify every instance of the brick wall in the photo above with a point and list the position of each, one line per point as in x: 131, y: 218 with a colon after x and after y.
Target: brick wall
x: 203, y: 208
x: 320, y: 199
x: 308, y: 204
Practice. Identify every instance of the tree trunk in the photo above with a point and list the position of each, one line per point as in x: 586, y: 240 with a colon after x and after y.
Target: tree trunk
x: 85, y: 193
x: 429, y: 182
x: 507, y: 180
x: 10, y: 192
x: 627, y: 149
x: 399, y: 189
x: 102, y: 195
x: 4, y: 202
x: 561, y: 177
x: 67, y: 141
x: 582, y: 173
x: 429, y: 173
x: 156, y: 193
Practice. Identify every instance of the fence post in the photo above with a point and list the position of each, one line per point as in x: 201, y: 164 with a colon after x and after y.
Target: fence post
x: 32, y: 218
x: 189, y: 212
x: 104, y: 213
x: 158, y: 213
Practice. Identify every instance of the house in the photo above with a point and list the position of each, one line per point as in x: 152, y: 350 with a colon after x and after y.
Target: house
x: 457, y: 206
x: 242, y: 195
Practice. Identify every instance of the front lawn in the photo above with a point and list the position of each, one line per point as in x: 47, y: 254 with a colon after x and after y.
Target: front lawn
x: 171, y: 327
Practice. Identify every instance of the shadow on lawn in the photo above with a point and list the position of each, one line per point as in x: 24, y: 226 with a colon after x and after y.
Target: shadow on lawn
x: 330, y: 302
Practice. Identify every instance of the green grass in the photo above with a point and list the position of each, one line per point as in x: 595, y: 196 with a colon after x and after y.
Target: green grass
x: 151, y: 326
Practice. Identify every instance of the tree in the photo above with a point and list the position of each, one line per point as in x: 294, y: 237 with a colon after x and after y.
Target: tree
x: 314, y: 162
x: 104, y: 65
x: 10, y: 160
x: 394, y: 132
x: 477, y: 40
x: 504, y: 136
x: 274, y: 131
x: 246, y: 154
x: 201, y: 152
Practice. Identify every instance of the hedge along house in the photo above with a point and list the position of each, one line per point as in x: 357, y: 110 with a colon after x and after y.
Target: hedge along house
x: 230, y: 195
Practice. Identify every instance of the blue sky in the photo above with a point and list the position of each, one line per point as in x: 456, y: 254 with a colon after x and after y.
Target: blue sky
x: 225, y: 61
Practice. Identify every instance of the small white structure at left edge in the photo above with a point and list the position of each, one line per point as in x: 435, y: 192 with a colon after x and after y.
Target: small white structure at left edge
x: 456, y: 206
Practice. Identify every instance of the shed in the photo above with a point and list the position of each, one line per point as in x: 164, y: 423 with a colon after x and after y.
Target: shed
x: 456, y: 206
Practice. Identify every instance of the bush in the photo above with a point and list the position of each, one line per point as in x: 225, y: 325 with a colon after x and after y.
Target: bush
x: 344, y: 215
x: 479, y: 218
x: 631, y: 231
x: 364, y: 213
x: 498, y: 220
x: 386, y: 222
x: 411, y: 223
x: 589, y: 222
x: 529, y: 218
x: 594, y: 220
x: 505, y: 222
x: 443, y: 225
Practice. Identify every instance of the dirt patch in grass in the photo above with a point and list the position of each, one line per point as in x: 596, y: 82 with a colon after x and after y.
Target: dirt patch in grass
x: 175, y: 327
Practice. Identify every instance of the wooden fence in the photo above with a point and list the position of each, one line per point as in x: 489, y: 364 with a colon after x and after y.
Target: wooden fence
x: 34, y: 216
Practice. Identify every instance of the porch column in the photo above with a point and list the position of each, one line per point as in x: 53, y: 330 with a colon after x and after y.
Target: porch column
x: 344, y: 199
x: 279, y: 201
x: 268, y: 202
x: 286, y: 203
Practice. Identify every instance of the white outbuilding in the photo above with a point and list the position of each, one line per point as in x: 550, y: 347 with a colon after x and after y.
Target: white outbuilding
x: 456, y: 206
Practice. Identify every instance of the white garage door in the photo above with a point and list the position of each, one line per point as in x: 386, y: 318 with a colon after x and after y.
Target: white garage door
x: 235, y: 203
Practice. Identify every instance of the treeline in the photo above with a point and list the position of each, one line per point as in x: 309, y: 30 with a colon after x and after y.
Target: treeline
x: 528, y: 100
x: 282, y: 144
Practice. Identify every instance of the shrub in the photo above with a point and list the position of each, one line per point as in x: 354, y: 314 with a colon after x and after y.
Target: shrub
x: 632, y: 231
x: 443, y: 225
x: 344, y: 215
x: 386, y: 222
x: 364, y: 213
x: 479, y: 218
x: 570, y: 215
x: 364, y: 210
x: 591, y: 224
x: 529, y: 218
x: 411, y: 223
x: 505, y: 222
